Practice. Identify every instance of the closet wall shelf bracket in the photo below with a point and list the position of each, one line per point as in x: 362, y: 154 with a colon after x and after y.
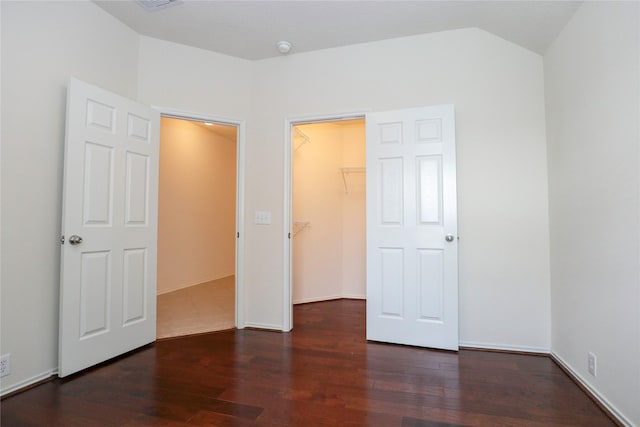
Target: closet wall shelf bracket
x: 346, y: 171
x: 298, y: 226
x: 303, y: 136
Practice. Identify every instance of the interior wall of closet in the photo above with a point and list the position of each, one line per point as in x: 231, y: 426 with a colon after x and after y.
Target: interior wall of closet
x: 196, y: 227
x: 196, y: 203
x: 329, y: 233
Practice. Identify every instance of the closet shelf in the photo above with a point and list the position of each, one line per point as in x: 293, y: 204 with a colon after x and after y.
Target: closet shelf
x: 298, y: 226
x: 346, y: 171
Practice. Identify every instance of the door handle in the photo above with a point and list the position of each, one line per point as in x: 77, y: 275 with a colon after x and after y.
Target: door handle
x: 449, y: 237
x: 75, y: 240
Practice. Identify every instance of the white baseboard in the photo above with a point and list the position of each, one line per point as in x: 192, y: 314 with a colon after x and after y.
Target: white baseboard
x: 267, y: 326
x: 29, y: 381
x: 504, y: 347
x: 594, y: 393
x: 353, y: 296
x: 188, y: 285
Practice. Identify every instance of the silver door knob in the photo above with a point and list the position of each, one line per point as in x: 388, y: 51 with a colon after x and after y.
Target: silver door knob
x: 75, y: 240
x: 449, y: 237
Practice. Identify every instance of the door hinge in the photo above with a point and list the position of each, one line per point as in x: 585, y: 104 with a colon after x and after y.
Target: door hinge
x: 289, y: 236
x: 238, y: 235
x: 62, y: 240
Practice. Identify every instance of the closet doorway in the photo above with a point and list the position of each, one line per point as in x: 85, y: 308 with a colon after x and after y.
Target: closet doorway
x: 328, y: 210
x: 196, y: 227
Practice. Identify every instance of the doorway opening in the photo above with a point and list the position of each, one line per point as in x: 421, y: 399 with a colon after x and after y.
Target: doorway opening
x: 328, y: 210
x: 197, y: 223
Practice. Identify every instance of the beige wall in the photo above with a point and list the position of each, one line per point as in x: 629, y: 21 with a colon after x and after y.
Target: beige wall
x: 196, y: 205
x: 354, y: 209
x: 592, y: 75
x: 329, y: 256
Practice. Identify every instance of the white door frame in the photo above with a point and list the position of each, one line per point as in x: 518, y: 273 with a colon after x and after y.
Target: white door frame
x: 240, y: 173
x: 289, y: 123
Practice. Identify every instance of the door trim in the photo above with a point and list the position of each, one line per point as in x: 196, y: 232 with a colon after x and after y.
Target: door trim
x: 240, y: 183
x: 289, y: 122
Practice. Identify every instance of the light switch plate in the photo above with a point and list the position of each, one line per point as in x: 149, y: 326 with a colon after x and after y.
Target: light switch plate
x: 262, y: 217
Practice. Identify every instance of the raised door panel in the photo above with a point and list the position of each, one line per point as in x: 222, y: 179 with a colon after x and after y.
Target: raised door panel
x: 135, y: 285
x: 429, y: 179
x: 95, y: 295
x: 390, y: 192
x: 101, y: 116
x: 138, y: 128
x: 392, y: 282
x: 137, y: 190
x: 98, y: 185
x: 430, y: 284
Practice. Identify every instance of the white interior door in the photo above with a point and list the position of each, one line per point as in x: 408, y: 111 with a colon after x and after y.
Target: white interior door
x: 412, y: 261
x: 109, y: 223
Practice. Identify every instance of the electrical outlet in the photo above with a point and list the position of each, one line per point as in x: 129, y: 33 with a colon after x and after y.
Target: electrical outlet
x: 592, y: 363
x: 5, y: 365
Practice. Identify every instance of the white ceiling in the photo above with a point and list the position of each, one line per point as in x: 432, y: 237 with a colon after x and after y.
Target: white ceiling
x: 250, y: 29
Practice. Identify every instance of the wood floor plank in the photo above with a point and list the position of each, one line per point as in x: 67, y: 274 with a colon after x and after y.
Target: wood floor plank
x: 323, y: 373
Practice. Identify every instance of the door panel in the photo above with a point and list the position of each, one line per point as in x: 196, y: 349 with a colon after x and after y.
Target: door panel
x: 391, y: 263
x: 135, y: 286
x: 94, y: 293
x: 137, y: 190
x: 108, y: 278
x: 98, y: 196
x: 412, y: 278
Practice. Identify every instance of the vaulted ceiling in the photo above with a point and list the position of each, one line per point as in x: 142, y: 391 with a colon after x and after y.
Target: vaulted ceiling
x: 250, y: 29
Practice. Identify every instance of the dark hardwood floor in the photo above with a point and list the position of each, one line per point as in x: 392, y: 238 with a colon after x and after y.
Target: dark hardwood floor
x: 323, y: 373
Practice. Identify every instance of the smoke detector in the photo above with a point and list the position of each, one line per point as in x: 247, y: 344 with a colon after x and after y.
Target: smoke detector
x: 151, y: 5
x: 283, y: 47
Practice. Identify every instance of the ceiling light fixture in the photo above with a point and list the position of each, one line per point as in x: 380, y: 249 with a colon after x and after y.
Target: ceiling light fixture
x: 283, y: 47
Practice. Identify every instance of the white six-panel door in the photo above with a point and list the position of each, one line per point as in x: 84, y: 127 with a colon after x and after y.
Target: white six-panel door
x: 412, y: 262
x: 108, y: 271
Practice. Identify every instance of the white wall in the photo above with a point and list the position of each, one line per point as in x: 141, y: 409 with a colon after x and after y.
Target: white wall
x: 196, y: 205
x: 43, y: 44
x: 193, y: 80
x: 328, y: 257
x: 592, y: 77
x: 498, y: 90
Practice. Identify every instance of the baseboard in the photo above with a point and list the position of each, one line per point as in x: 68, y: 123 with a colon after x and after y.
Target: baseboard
x: 265, y: 326
x: 28, y: 383
x: 328, y: 298
x: 471, y: 345
x: 188, y: 285
x: 317, y: 299
x: 353, y: 296
x: 599, y: 399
